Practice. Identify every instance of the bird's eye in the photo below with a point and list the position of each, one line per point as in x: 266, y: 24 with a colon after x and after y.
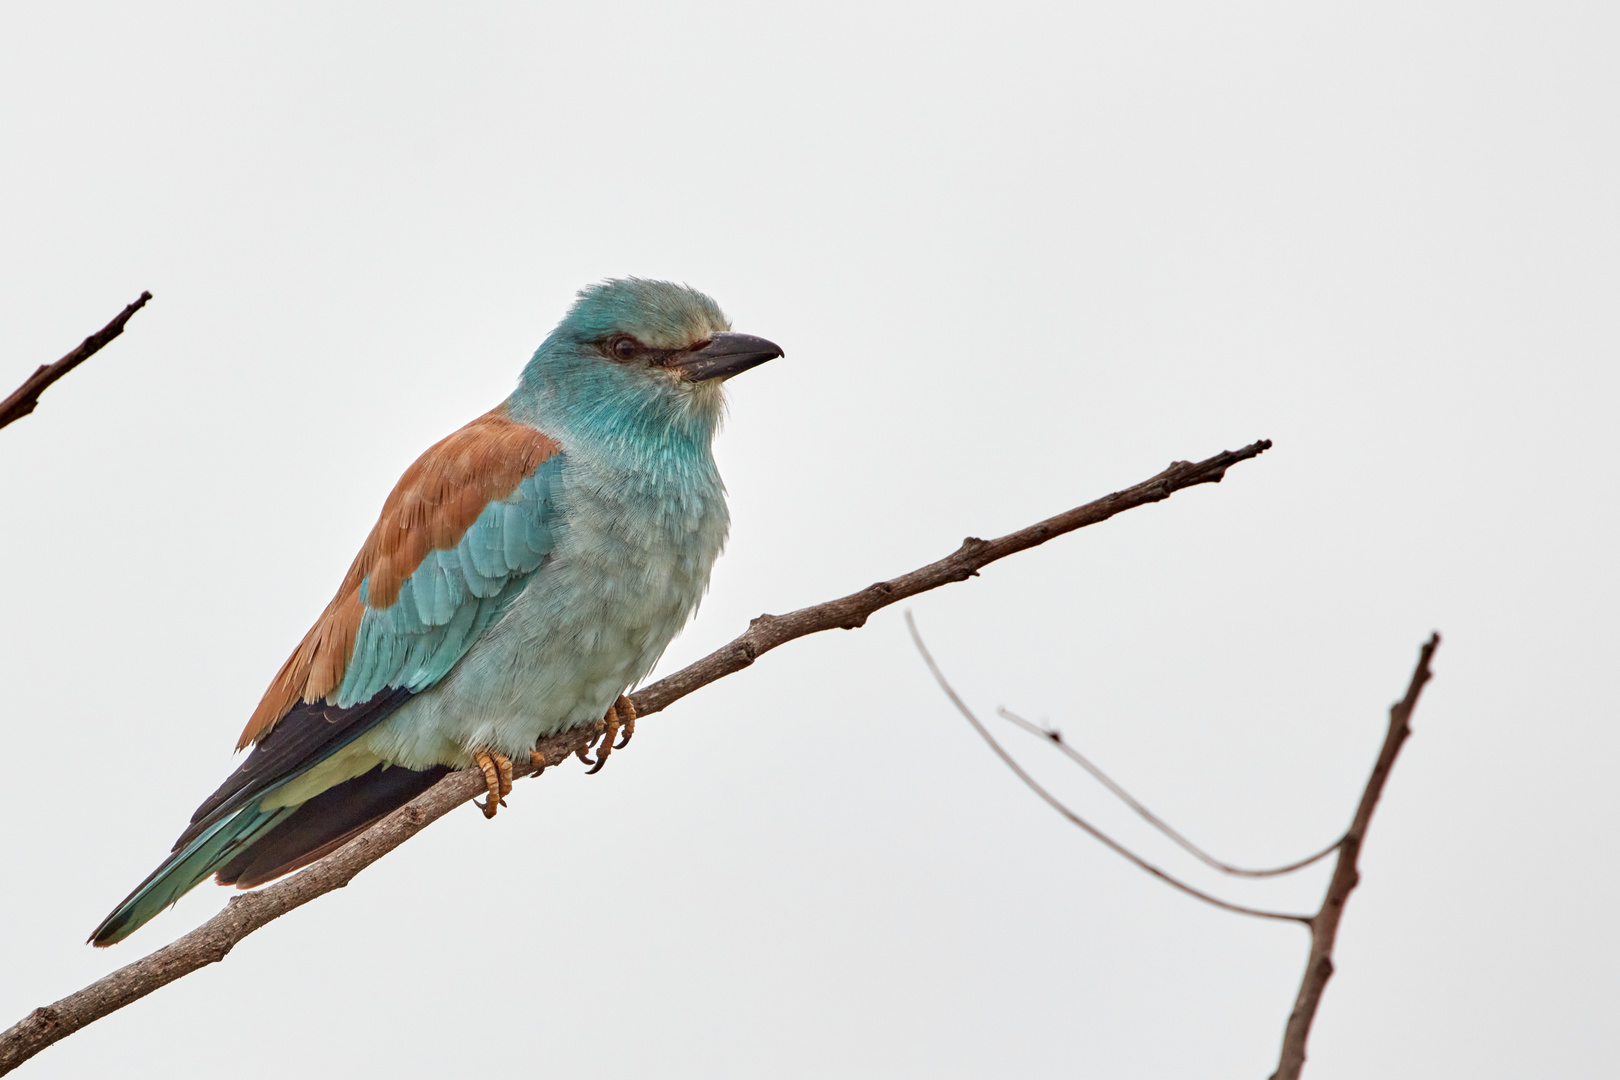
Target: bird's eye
x: 623, y: 348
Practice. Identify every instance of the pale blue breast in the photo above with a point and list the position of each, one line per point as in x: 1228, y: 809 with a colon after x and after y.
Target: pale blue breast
x: 633, y: 548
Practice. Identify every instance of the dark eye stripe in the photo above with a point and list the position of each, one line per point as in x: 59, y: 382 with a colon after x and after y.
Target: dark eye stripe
x: 623, y: 349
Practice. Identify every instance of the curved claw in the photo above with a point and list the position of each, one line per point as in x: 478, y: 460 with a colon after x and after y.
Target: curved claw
x: 497, y: 770
x: 604, y: 748
x: 627, y: 710
x: 620, y: 716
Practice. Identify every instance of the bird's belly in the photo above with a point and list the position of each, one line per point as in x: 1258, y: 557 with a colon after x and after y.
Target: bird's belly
x: 592, y: 622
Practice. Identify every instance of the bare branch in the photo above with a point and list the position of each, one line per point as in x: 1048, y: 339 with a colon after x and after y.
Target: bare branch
x: 23, y: 400
x: 1325, y: 923
x: 213, y: 940
x: 1056, y: 804
x: 849, y: 612
x: 1056, y: 739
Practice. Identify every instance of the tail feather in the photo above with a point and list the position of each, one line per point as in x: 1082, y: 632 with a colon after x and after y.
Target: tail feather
x: 253, y: 846
x: 232, y: 820
x: 181, y: 871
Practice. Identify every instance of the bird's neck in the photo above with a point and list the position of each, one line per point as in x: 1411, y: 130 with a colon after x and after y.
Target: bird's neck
x: 622, y: 424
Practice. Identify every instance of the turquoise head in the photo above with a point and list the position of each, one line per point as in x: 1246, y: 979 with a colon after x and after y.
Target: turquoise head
x: 636, y: 365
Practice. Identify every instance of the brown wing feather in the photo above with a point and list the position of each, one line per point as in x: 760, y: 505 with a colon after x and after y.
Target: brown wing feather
x: 430, y: 509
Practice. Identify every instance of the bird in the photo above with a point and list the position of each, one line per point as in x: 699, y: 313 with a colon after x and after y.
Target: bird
x: 524, y: 573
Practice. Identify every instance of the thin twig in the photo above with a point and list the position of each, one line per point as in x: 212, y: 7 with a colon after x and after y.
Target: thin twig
x: 1056, y: 739
x: 1325, y: 923
x: 1056, y: 804
x: 213, y: 940
x: 23, y: 400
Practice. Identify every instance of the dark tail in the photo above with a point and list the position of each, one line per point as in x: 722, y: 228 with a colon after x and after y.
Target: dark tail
x: 254, y: 845
x: 327, y: 822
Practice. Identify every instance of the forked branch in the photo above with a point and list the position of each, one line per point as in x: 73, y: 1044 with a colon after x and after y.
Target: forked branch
x: 1069, y: 815
x: 1056, y: 739
x: 1324, y: 925
x: 213, y: 940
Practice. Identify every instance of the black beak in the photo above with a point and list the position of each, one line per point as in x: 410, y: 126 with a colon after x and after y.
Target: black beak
x: 724, y: 356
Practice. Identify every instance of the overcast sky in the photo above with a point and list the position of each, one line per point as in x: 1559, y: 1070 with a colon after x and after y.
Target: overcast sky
x: 1019, y: 255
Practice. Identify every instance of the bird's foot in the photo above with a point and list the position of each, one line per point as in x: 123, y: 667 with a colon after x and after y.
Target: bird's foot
x: 621, y: 717
x: 497, y: 780
x: 620, y: 723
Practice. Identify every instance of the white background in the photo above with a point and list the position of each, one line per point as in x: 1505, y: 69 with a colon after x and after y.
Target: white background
x: 1019, y: 255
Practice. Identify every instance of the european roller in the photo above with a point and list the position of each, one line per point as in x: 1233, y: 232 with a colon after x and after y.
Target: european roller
x: 525, y: 572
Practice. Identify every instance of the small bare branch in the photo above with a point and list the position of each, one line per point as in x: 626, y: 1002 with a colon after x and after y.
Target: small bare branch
x: 1056, y: 804
x: 212, y: 941
x: 1056, y: 739
x: 1325, y: 923
x: 23, y: 400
